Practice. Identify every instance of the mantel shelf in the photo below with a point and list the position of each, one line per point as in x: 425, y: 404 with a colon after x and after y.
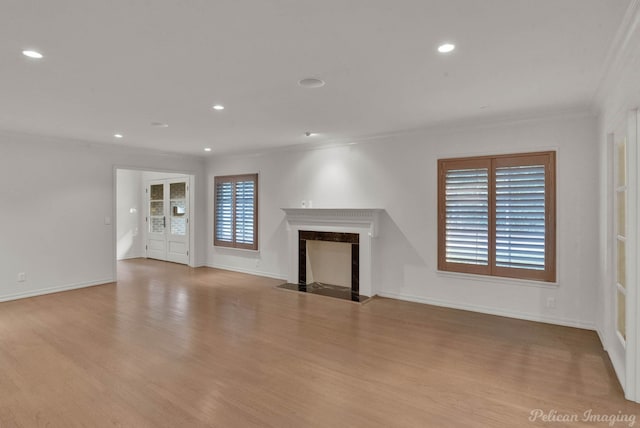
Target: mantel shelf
x: 335, y: 215
x: 347, y: 212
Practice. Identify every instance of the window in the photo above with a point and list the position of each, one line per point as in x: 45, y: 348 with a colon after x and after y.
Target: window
x: 236, y: 211
x: 496, y: 215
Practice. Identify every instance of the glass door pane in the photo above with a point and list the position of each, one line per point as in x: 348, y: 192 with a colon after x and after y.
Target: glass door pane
x: 621, y: 318
x: 620, y: 208
x: 156, y: 208
x: 178, y: 208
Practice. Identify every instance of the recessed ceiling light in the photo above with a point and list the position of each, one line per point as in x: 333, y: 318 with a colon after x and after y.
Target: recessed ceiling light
x: 32, y: 54
x: 207, y: 149
x: 446, y: 47
x: 159, y: 125
x: 310, y: 134
x: 118, y: 135
x: 311, y: 82
x: 218, y: 107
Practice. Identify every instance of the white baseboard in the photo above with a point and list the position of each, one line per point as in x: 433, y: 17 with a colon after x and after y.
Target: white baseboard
x: 49, y: 290
x: 492, y: 311
x: 617, y: 363
x: 132, y: 256
x: 601, y: 337
x: 249, y: 271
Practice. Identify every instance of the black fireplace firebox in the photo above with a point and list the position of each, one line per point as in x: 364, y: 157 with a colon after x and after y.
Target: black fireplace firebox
x: 349, y: 238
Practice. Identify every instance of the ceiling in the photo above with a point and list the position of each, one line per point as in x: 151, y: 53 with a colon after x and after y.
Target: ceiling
x: 116, y: 66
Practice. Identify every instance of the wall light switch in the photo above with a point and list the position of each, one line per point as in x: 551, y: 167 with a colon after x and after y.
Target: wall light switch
x: 107, y: 220
x: 22, y: 277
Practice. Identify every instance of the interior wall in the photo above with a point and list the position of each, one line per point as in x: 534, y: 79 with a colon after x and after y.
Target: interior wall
x: 398, y: 174
x: 130, y: 209
x: 57, y: 197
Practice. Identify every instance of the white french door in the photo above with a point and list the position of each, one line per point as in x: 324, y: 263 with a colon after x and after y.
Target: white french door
x: 168, y: 220
x: 626, y: 254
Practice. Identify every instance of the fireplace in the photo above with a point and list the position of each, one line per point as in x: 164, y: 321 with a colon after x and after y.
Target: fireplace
x: 330, y: 251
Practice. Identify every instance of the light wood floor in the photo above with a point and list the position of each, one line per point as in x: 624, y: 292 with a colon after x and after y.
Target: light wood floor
x: 171, y: 346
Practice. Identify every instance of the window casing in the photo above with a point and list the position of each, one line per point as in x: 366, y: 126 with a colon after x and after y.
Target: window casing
x: 496, y: 215
x: 236, y: 211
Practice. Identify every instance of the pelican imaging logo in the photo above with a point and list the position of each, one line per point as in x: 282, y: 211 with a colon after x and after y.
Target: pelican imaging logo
x: 553, y: 416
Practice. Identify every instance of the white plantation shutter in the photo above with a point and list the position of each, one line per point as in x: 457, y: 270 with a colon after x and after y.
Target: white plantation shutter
x: 520, y: 217
x: 467, y: 216
x: 496, y: 215
x: 224, y: 212
x: 245, y: 194
x: 236, y: 211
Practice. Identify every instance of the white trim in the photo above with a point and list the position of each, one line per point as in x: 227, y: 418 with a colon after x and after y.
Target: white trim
x: 232, y: 250
x: 358, y: 217
x: 248, y: 271
x: 56, y: 289
x: 603, y: 342
x: 105, y: 146
x: 499, y: 279
x: 632, y: 243
x: 618, y: 367
x: 454, y: 126
x: 615, y: 57
x: 493, y: 311
x: 621, y: 339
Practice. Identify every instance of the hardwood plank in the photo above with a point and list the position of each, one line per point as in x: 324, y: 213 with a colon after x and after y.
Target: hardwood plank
x: 171, y: 346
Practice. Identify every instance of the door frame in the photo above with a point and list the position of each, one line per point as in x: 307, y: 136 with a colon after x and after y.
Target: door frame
x: 632, y: 355
x: 191, y: 175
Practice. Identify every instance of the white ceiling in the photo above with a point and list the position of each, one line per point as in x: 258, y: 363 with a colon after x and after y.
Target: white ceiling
x: 118, y: 65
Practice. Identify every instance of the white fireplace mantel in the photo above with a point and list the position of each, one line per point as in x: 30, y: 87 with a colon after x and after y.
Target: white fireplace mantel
x: 343, y: 216
x: 363, y: 221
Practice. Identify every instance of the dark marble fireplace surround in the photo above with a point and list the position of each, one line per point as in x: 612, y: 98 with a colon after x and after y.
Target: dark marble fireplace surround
x: 328, y: 289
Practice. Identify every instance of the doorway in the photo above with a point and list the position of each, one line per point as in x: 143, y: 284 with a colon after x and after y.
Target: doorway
x: 154, y: 215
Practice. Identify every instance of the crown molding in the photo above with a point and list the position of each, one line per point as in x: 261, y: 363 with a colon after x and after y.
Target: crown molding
x: 453, y: 126
x: 74, y: 143
x: 617, y: 53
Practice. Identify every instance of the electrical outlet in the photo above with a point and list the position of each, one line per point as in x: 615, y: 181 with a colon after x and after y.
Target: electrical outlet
x: 551, y: 302
x: 22, y: 277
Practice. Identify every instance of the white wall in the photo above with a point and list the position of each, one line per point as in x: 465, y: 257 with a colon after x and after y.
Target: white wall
x: 398, y: 174
x: 130, y: 214
x: 55, y: 196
